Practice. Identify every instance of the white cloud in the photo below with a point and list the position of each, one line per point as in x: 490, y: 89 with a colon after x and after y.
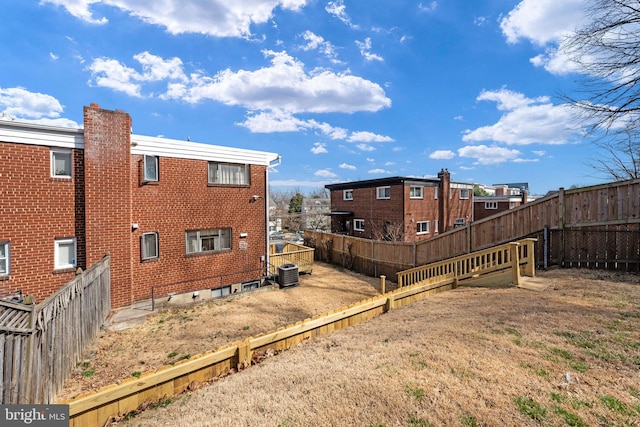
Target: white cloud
x: 365, y: 147
x: 53, y: 56
x: 325, y: 173
x: 316, y: 42
x: 389, y: 163
x: 221, y: 18
x: 338, y: 9
x: 480, y: 21
x: 545, y: 23
x: 364, y: 136
x: 319, y: 148
x: 428, y: 8
x: 485, y: 155
x: 365, y: 50
x: 526, y: 121
x: 33, y: 107
x: 539, y: 152
x: 370, y: 160
x: 378, y: 171
x: 280, y: 121
x: 347, y: 166
x: 442, y: 155
x: 518, y: 160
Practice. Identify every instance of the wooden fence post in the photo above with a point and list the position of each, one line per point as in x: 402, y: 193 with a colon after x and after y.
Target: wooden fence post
x: 383, y: 284
x: 561, y: 224
x: 515, y: 263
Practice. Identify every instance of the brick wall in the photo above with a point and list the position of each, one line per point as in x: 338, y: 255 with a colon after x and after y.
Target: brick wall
x: 35, y: 210
x: 107, y: 175
x: 417, y: 210
x: 182, y: 200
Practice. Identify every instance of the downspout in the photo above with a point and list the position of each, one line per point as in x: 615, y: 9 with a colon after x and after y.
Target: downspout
x: 278, y: 161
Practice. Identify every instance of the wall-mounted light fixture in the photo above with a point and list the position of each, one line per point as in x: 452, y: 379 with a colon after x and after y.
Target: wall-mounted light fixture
x: 256, y: 197
x: 135, y: 226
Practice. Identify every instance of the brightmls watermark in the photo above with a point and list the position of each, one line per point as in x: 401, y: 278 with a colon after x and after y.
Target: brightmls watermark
x: 34, y: 415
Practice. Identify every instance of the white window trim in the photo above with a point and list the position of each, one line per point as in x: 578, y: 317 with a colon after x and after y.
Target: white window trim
x: 464, y: 198
x: 491, y: 205
x: 355, y: 224
x: 344, y: 194
x: 56, y: 256
x: 7, y: 258
x: 428, y: 230
x: 142, y: 246
x: 246, y: 170
x: 435, y: 193
x: 383, y: 197
x: 65, y: 151
x: 435, y: 226
x: 145, y: 177
x: 198, y: 236
x: 421, y: 196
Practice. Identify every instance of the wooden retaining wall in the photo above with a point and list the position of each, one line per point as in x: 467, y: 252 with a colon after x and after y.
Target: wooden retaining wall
x: 97, y: 408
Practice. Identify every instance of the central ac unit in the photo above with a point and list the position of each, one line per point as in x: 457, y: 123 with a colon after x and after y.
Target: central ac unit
x: 288, y: 275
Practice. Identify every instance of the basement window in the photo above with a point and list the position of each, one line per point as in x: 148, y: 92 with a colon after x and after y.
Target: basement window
x: 221, y: 292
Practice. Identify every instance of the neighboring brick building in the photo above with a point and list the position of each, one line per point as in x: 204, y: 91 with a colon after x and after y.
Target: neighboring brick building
x: 400, y: 208
x: 174, y: 215
x: 501, y: 198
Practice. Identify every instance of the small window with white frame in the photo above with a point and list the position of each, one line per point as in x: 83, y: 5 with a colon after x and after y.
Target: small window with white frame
x: 4, y: 259
x: 491, y: 205
x: 464, y: 193
x: 422, y: 227
x: 347, y: 195
x: 416, y: 192
x: 150, y: 168
x: 358, y: 224
x: 383, y: 192
x: 435, y: 226
x: 65, y: 253
x: 61, y: 163
x: 149, y: 247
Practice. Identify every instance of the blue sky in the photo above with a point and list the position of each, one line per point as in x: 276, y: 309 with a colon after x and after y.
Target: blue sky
x: 343, y: 90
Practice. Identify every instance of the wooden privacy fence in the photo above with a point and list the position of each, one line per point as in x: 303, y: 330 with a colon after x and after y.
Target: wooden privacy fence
x: 613, y: 206
x: 40, y: 344
x: 290, y: 253
x: 96, y: 408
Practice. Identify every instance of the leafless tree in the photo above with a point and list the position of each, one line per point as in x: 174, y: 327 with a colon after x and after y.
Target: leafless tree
x: 390, y: 231
x: 607, y: 51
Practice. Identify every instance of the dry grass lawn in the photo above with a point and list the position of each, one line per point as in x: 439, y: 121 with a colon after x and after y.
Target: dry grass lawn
x: 566, y: 355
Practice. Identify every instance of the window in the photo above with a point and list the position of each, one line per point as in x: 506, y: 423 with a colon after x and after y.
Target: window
x: 459, y: 221
x: 4, y: 258
x: 150, y: 166
x: 221, y: 292
x: 491, y: 205
x: 149, y: 245
x: 422, y: 227
x: 383, y: 192
x: 464, y: 193
x: 248, y: 286
x: 60, y: 163
x: 358, y: 224
x: 213, y: 239
x: 435, y: 193
x: 347, y: 195
x: 65, y: 253
x: 228, y: 173
x: 415, y: 192
x: 435, y: 226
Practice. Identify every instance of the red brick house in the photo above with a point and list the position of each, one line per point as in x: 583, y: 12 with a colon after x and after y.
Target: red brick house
x: 173, y: 215
x: 400, y: 208
x: 502, y: 199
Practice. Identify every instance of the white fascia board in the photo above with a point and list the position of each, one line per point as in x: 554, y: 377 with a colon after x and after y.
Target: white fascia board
x: 33, y: 134
x: 163, y: 147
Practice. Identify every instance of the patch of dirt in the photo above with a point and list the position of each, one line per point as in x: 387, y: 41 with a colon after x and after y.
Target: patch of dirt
x: 177, y: 333
x: 568, y: 354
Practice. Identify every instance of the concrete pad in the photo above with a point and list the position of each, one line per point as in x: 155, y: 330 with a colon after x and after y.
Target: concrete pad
x: 534, y: 283
x: 125, y: 318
